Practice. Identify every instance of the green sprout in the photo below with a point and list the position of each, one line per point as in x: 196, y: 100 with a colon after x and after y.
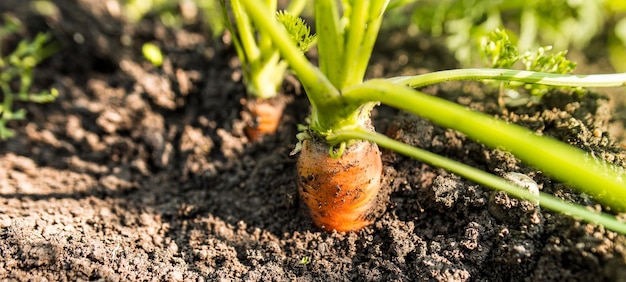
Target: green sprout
x: 499, y: 50
x: 341, y: 102
x: 562, y: 23
x: 552, y: 63
x: 18, y: 67
x: 502, y: 53
x: 175, y: 13
x: 152, y: 53
x: 305, y: 260
x: 263, y: 68
x: 297, y: 29
x: 549, y: 63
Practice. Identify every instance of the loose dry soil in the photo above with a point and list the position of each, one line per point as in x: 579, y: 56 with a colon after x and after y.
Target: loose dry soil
x: 144, y: 173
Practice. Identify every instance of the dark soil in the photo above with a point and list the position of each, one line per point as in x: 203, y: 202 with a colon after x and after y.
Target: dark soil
x: 144, y: 173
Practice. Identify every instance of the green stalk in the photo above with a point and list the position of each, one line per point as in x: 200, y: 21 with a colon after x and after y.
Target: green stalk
x: 345, y: 44
x: 349, y: 74
x: 264, y: 41
x: 376, y: 12
x: 329, y: 112
x: 267, y: 77
x: 595, y: 80
x: 318, y: 87
x: 605, y: 182
x: 483, y: 178
x: 330, y: 39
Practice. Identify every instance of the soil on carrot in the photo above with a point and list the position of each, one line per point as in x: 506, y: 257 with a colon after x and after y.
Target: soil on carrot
x: 144, y: 173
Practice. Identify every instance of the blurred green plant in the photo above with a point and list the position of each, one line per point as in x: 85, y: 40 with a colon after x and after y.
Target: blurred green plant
x: 152, y: 53
x: 175, y: 13
x: 500, y: 52
x: 616, y: 11
x: 565, y: 24
x: 16, y: 73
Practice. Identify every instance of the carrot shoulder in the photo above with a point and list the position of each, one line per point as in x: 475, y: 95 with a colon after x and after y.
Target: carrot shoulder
x: 264, y: 116
x: 339, y: 192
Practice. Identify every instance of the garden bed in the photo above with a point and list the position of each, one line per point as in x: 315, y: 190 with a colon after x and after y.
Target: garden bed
x: 144, y: 173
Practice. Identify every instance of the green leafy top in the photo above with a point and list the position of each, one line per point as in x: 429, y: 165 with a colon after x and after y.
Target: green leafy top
x: 499, y: 49
x: 502, y: 53
x: 346, y: 44
x: 562, y: 23
x: 298, y: 30
x: 550, y: 63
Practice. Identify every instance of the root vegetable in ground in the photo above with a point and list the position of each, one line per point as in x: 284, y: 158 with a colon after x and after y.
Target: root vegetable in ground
x: 339, y: 192
x: 341, y: 103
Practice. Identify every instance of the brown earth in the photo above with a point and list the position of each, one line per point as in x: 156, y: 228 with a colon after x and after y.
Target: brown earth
x: 144, y: 173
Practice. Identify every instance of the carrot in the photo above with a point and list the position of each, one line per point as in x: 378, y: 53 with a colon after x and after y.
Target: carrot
x: 340, y: 193
x: 264, y: 116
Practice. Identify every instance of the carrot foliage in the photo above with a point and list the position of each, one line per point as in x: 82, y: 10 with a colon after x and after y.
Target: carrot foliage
x: 263, y: 68
x: 17, y: 68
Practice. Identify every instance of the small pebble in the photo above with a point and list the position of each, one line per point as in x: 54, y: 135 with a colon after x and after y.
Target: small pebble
x: 524, y: 181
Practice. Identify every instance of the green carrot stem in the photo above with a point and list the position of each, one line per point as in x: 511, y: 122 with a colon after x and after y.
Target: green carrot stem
x: 354, y: 36
x: 594, y: 80
x: 605, y: 182
x: 374, y: 21
x: 330, y: 40
x: 246, y: 34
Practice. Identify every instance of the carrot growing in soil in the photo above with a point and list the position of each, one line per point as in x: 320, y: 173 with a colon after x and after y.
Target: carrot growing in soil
x: 339, y: 183
x: 340, y: 192
x: 263, y: 68
x: 340, y: 120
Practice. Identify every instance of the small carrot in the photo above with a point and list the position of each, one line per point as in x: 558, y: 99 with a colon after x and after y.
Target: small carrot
x: 339, y: 192
x: 264, y: 116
